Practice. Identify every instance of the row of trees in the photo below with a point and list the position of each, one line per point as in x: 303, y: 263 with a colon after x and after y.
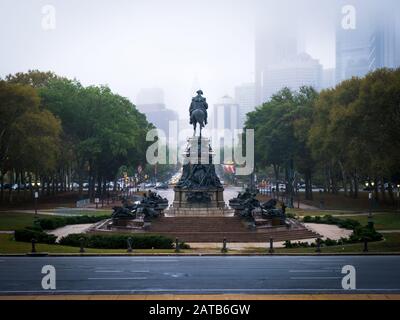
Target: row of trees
x: 54, y: 131
x: 349, y: 135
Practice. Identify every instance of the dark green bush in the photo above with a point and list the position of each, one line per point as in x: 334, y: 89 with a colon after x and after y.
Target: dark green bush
x: 27, y: 234
x: 54, y: 223
x: 368, y: 233
x: 117, y: 241
x: 329, y: 242
x: 307, y: 219
x: 298, y: 244
x: 328, y: 219
x: 183, y: 245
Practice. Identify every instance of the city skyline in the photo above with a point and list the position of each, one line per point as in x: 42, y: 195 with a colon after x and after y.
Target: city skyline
x: 171, y: 50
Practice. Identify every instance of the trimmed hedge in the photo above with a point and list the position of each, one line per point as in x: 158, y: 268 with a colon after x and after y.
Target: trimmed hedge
x: 117, y: 241
x: 54, y: 223
x: 27, y: 234
x: 328, y: 219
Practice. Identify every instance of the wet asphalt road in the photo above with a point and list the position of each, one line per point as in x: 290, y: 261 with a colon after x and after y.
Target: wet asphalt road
x: 194, y: 274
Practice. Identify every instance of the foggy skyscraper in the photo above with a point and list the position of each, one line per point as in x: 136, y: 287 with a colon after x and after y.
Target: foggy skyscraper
x: 272, y: 46
x: 372, y: 44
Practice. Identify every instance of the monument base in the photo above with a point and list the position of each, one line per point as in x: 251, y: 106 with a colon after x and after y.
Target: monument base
x: 199, y: 212
x: 181, y: 199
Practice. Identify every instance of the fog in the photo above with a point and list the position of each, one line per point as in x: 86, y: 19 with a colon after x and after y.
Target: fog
x: 176, y: 45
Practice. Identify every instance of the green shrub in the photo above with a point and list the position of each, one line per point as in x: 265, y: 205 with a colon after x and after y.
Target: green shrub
x: 329, y: 242
x: 117, y: 241
x: 361, y: 233
x: 27, y: 234
x: 183, y: 245
x: 328, y: 219
x: 288, y: 244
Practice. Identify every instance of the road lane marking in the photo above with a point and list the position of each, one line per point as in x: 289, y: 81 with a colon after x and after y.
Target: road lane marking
x: 151, y: 260
x: 314, y: 278
x: 107, y: 271
x: 321, y: 259
x: 131, y: 278
x: 140, y: 271
x: 311, y: 271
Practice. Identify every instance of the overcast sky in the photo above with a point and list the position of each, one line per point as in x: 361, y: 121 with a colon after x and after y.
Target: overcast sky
x: 134, y: 44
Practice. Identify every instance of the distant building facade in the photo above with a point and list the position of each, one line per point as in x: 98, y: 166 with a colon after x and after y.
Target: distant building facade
x: 293, y: 72
x: 151, y: 102
x: 271, y: 46
x: 226, y: 114
x: 373, y: 43
x: 245, y: 97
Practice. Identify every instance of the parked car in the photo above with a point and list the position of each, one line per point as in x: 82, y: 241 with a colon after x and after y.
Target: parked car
x: 161, y: 185
x: 8, y: 186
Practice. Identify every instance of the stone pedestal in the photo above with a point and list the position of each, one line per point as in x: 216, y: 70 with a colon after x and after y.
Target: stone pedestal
x: 181, y: 199
x: 199, y: 212
x: 199, y: 192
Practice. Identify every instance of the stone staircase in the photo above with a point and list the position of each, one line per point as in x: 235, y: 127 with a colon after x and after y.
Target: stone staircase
x: 215, y: 229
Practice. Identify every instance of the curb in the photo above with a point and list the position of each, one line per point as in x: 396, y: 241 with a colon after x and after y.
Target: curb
x: 197, y: 297
x: 45, y: 254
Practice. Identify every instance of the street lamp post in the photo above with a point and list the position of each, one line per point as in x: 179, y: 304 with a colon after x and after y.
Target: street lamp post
x: 370, y: 199
x: 398, y: 197
x: 36, y: 202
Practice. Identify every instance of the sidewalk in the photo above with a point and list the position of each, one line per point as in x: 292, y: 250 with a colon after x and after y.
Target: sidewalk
x: 211, y: 297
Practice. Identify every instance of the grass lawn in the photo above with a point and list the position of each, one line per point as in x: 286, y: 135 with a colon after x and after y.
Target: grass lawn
x: 391, y: 243
x: 303, y: 213
x: 17, y: 220
x: 20, y: 220
x: 342, y: 202
x: 382, y: 220
x: 9, y: 245
x: 385, y: 221
x: 83, y: 212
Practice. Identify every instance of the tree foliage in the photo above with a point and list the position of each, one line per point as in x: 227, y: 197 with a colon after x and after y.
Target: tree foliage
x: 349, y: 134
x: 56, y: 130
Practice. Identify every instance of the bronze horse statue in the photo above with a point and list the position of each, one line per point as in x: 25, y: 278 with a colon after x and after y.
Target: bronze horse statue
x: 198, y: 117
x: 198, y: 111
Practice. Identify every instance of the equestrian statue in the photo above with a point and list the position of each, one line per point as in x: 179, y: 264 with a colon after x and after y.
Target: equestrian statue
x: 198, y: 111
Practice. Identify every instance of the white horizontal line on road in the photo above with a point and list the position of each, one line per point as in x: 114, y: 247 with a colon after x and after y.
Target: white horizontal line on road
x: 314, y: 278
x: 132, y: 278
x: 151, y: 260
x: 140, y: 271
x: 322, y: 259
x: 311, y: 271
x: 114, y: 271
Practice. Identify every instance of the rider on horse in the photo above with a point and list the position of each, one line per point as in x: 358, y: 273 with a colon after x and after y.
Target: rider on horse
x: 198, y: 102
